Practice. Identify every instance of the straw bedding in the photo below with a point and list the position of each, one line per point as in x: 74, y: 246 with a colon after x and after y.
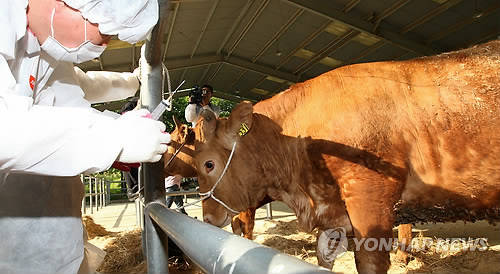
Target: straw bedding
x: 93, y: 229
x: 124, y: 253
x: 286, y: 237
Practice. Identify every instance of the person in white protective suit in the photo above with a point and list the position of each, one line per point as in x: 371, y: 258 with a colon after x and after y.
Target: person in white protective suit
x: 49, y: 133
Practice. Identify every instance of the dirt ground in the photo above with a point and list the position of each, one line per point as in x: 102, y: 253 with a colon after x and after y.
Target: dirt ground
x: 124, y: 253
x: 284, y: 235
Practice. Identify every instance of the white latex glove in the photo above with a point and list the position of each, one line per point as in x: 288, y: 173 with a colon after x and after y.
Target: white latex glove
x: 173, y: 180
x: 137, y: 73
x: 144, y: 139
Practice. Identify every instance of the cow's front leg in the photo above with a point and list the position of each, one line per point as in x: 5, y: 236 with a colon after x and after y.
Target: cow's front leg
x: 369, y: 204
x: 247, y: 219
x: 243, y: 223
x: 236, y: 225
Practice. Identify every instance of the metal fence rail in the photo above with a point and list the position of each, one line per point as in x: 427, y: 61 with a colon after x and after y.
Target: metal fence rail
x: 98, y: 194
x: 139, y: 205
x: 217, y: 251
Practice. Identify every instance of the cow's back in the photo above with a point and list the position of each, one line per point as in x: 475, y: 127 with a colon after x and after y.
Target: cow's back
x: 436, y: 118
x: 453, y: 129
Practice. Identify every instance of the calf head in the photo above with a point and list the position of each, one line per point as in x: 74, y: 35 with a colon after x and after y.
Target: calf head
x: 238, y: 187
x: 183, y: 163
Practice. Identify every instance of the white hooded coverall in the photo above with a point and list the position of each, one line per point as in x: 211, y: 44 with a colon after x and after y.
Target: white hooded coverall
x: 49, y: 129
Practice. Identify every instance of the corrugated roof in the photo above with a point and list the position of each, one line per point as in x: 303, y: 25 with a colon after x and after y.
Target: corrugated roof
x: 256, y: 48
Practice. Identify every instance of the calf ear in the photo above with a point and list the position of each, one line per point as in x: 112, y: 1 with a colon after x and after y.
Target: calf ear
x: 240, y: 121
x: 190, y: 136
x: 176, y: 122
x: 207, y: 123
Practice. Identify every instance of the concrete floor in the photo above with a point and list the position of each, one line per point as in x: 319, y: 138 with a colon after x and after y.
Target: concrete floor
x: 122, y: 216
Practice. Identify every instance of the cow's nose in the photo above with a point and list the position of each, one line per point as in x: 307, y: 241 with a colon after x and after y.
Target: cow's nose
x: 208, y: 218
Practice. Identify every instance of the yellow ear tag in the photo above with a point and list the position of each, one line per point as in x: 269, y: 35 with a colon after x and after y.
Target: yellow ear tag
x: 243, y: 129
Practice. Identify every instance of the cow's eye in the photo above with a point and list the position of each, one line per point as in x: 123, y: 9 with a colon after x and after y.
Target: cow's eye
x: 209, y: 166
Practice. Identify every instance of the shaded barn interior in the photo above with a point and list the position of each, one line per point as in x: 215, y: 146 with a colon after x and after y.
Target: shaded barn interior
x: 253, y: 49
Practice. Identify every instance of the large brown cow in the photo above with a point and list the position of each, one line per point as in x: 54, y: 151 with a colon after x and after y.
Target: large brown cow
x: 179, y: 160
x: 355, y: 146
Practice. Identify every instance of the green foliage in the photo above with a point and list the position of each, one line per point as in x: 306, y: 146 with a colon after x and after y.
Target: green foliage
x: 110, y: 175
x: 180, y: 104
x: 178, y: 107
x: 225, y: 106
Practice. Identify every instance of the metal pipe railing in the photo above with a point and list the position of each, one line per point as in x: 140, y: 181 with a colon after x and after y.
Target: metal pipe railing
x: 217, y: 251
x: 103, y: 197
x: 156, y: 241
x: 98, y: 191
x: 183, y: 193
x: 96, y: 196
x: 90, y: 198
x: 269, y: 211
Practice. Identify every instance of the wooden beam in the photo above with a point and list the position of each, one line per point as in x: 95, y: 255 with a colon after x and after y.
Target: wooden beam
x: 365, y: 52
x: 246, y: 64
x: 460, y: 24
x: 304, y: 43
x: 235, y: 24
x: 204, y: 28
x: 428, y: 16
x: 349, y: 6
x: 182, y: 63
x: 170, y: 30
x: 357, y: 23
x: 388, y: 12
x: 278, y: 34
x: 327, y: 50
x: 490, y: 34
x: 118, y: 44
x: 247, y: 27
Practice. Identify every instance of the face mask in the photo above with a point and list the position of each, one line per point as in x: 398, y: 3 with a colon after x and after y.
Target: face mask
x: 86, y: 51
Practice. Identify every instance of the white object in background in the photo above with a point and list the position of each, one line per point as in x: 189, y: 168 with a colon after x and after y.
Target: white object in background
x: 173, y: 180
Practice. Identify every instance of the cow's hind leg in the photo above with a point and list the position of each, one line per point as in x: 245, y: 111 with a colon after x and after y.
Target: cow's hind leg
x: 404, y: 239
x: 324, y: 261
x: 369, y: 203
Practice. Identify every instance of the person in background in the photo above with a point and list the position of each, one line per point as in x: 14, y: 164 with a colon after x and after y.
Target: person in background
x: 199, y: 101
x: 172, y: 184
x: 50, y: 134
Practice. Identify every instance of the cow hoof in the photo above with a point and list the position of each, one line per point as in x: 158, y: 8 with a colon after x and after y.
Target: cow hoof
x: 403, y: 257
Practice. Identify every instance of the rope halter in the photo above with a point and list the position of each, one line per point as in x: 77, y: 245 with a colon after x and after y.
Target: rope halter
x: 210, y: 193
